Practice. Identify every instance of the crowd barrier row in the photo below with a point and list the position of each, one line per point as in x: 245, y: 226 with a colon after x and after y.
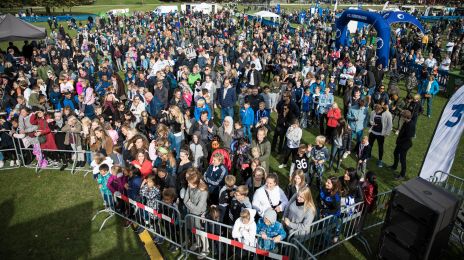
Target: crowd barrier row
x: 166, y: 223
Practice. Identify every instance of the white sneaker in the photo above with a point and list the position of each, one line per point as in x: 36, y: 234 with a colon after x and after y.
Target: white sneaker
x: 282, y: 166
x: 203, y: 255
x: 12, y: 163
x: 2, y: 163
x: 18, y: 163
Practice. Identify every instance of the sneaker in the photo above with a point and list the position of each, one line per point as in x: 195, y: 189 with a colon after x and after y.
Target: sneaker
x: 429, y: 116
x: 2, y: 163
x: 173, y: 248
x: 194, y: 247
x: 397, y: 132
x: 282, y: 166
x: 379, y: 164
x: 335, y: 240
x: 399, y: 178
x: 12, y: 163
x: 203, y: 255
x: 18, y: 162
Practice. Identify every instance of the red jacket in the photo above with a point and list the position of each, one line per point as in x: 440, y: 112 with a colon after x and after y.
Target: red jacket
x: 145, y: 167
x: 369, y: 197
x: 333, y: 116
x: 44, y: 130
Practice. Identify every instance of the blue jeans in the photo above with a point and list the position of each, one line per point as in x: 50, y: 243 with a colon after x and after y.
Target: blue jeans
x: 1, y: 156
x: 429, y: 104
x: 358, y: 135
x: 247, y: 132
x: 176, y: 141
x: 227, y: 111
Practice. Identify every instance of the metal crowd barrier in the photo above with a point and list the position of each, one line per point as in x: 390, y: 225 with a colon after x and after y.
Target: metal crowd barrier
x: 163, y: 221
x: 216, y: 238
x: 329, y: 232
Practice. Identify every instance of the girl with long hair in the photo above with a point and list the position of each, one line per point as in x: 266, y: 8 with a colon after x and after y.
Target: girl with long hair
x: 300, y: 213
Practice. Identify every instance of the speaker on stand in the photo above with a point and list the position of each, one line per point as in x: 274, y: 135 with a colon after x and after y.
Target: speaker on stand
x: 418, y: 222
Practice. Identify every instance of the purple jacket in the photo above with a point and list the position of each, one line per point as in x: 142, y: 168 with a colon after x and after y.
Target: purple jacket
x: 116, y: 183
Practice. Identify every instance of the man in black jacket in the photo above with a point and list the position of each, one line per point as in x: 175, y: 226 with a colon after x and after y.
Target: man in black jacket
x: 403, y: 143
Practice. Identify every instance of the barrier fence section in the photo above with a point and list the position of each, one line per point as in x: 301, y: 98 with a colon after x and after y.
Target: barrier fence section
x: 162, y: 220
x: 215, y: 240
x: 331, y: 231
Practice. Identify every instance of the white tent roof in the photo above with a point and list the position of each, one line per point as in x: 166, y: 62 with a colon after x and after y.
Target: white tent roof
x: 266, y: 14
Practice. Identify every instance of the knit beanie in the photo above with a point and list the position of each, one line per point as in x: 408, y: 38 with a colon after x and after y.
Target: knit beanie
x: 270, y: 215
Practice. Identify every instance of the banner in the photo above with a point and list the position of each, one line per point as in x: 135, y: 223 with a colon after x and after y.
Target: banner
x: 442, y: 149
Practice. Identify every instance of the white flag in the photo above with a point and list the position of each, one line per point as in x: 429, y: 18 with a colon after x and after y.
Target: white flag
x: 442, y: 149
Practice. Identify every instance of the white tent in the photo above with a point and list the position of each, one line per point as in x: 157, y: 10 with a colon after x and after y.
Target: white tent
x: 203, y: 8
x: 267, y: 14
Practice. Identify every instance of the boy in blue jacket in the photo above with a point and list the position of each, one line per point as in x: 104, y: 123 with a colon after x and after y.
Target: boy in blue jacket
x: 269, y: 230
x: 55, y: 97
x: 247, y: 117
x: 306, y: 105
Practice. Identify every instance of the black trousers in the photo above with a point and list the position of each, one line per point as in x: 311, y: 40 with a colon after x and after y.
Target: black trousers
x: 287, y: 152
x: 280, y: 136
x: 400, y: 156
x: 380, y: 140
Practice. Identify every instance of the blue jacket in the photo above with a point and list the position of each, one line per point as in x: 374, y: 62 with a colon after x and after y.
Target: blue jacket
x: 358, y: 118
x: 198, y: 110
x: 134, y: 188
x: 69, y: 103
x: 313, y: 87
x: 215, y: 178
x: 271, y: 231
x: 306, y: 103
x: 260, y: 114
x: 154, y: 107
x: 247, y: 116
x: 230, y: 98
x: 297, y: 94
x: 434, y: 88
x: 55, y: 98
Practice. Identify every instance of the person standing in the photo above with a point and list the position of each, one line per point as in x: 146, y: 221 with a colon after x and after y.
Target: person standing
x: 403, y: 144
x: 381, y: 126
x: 428, y: 89
x: 227, y: 98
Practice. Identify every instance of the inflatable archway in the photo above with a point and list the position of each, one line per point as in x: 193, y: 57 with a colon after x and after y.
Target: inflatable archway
x: 381, y: 24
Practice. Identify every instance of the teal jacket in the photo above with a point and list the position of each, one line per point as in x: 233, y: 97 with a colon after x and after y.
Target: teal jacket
x: 434, y: 88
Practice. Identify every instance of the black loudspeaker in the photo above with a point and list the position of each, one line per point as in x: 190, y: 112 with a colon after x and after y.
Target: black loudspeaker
x: 418, y: 222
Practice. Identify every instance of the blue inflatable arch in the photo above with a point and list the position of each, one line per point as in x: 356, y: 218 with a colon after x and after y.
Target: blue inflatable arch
x: 381, y: 24
x: 402, y: 17
x: 376, y: 20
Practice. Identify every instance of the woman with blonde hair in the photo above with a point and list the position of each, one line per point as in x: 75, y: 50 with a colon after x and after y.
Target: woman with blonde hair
x: 101, y: 142
x: 300, y: 213
x: 175, y: 120
x: 297, y: 183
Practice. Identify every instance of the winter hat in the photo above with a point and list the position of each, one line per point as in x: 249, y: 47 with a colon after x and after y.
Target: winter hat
x: 270, y: 215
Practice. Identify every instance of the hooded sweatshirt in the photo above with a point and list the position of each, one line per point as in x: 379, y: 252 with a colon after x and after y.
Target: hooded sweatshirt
x: 245, y: 233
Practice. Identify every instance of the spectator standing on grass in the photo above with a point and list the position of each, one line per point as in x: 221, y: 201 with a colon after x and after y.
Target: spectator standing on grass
x: 381, y: 127
x: 403, y: 144
x: 428, y: 89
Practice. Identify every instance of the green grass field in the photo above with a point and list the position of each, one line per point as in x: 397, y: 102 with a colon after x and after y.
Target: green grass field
x: 49, y: 215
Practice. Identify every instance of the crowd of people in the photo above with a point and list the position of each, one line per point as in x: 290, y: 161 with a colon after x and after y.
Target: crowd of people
x: 178, y: 108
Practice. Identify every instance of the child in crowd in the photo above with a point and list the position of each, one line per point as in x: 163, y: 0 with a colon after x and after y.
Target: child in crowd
x: 362, y: 153
x: 306, y: 104
x: 214, y: 177
x: 261, y: 114
x: 102, y: 180
x: 169, y: 209
x: 149, y: 191
x: 267, y: 99
x: 100, y: 159
x: 215, y: 215
x: 319, y: 154
x: 239, y: 202
x: 300, y: 161
x: 269, y: 230
x: 227, y: 191
x: 293, y: 137
x: 244, y: 229
x: 247, y: 118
